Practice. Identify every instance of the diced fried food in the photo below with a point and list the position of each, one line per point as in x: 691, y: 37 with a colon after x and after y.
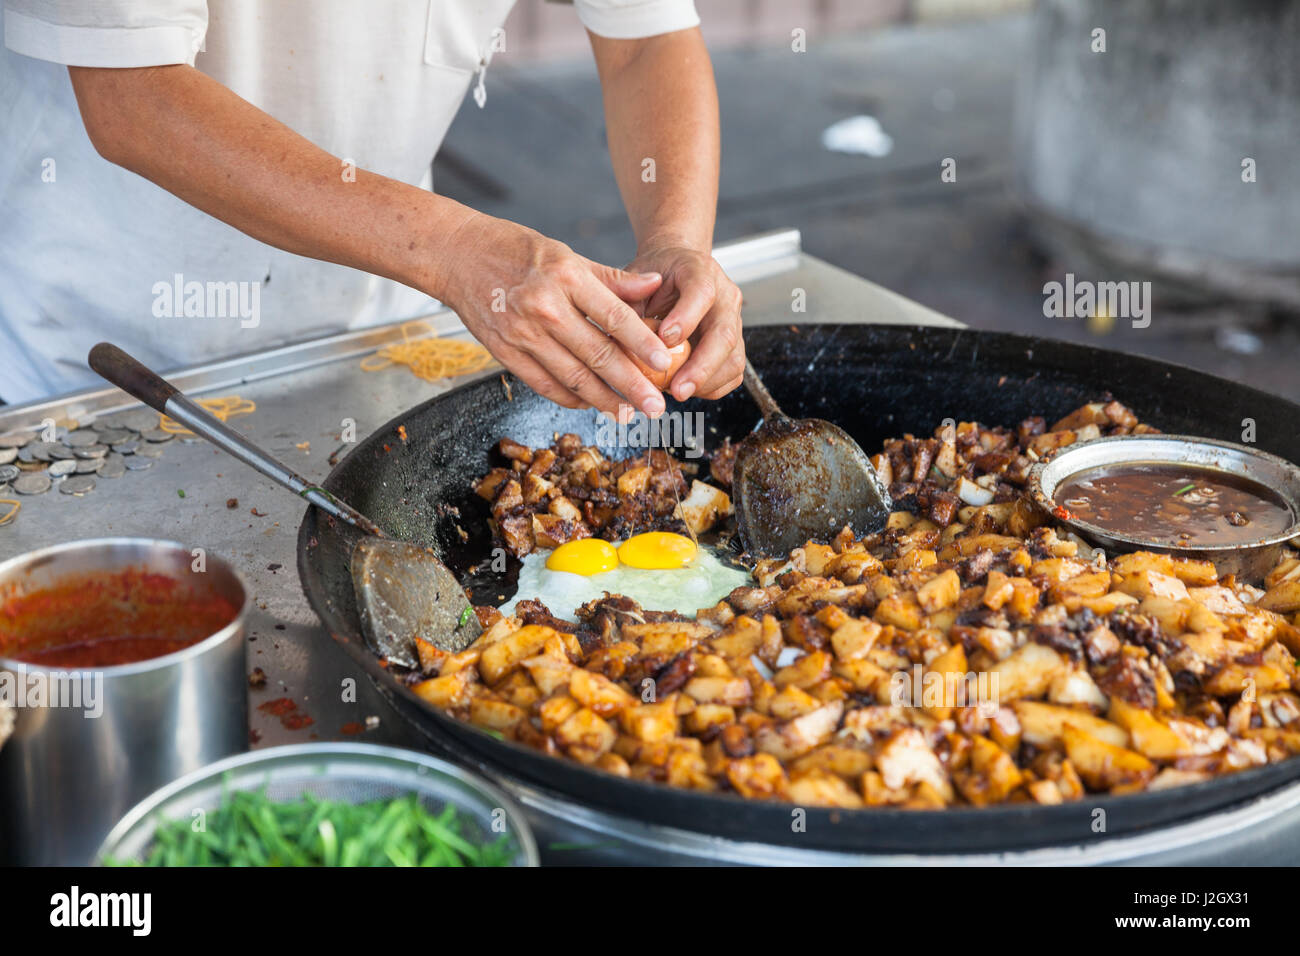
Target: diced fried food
x: 939, y: 592
x: 431, y: 657
x: 821, y: 789
x: 1043, y: 725
x: 598, y: 692
x: 847, y: 762
x: 905, y: 758
x: 499, y: 659
x: 1149, y: 735
x: 585, y: 736
x: 805, y: 672
x: 731, y: 691
x: 1236, y: 679
x: 1283, y: 597
x: 1147, y: 583
x: 1028, y: 672
x: 494, y: 714
x: 759, y: 777
x: 653, y: 722
x: 1102, y: 765
x: 794, y: 738
x: 951, y: 668
x: 704, y: 507
x: 447, y: 693
x: 990, y: 776
x: 972, y: 653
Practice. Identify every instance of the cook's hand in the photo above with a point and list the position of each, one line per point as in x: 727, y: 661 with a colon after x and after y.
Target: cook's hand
x: 699, y: 303
x: 528, y: 299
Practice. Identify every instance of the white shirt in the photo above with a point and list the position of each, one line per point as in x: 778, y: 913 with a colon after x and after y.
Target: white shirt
x: 90, y: 251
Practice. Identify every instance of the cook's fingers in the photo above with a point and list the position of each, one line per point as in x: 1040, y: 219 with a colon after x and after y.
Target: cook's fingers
x: 628, y: 286
x: 697, y: 291
x: 726, y: 389
x: 605, y: 364
x: 627, y: 327
x: 659, y: 304
x: 576, y: 374
x: 541, y: 381
x: 719, y: 355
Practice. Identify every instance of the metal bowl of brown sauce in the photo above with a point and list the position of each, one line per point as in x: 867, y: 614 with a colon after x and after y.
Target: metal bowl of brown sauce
x: 1177, y: 494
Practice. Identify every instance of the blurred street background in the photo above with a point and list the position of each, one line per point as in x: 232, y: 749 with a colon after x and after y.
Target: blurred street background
x: 908, y: 84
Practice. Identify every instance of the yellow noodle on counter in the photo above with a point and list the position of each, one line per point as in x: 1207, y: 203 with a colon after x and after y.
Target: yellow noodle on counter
x: 429, y: 356
x: 11, y: 512
x: 224, y: 408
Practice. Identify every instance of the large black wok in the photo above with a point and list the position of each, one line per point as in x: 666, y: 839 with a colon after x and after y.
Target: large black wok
x: 874, y: 381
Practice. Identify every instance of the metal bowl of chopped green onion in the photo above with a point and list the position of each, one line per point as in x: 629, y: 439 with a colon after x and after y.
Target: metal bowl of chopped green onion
x: 324, y: 805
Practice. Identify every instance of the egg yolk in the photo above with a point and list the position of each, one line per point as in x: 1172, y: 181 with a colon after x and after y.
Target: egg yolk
x: 657, y: 549
x: 585, y: 556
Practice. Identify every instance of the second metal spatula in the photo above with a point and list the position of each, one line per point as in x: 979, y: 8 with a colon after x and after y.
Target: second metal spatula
x: 798, y: 480
x: 403, y: 591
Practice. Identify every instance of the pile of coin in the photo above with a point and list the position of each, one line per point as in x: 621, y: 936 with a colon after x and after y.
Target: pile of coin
x: 33, y: 462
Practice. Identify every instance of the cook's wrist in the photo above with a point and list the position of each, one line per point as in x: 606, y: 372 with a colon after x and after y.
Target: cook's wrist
x: 674, y: 239
x: 435, y: 262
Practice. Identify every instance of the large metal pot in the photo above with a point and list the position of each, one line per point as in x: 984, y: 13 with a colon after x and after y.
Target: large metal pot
x: 98, y: 741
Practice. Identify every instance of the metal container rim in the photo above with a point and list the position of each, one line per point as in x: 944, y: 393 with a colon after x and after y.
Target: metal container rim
x: 197, y: 649
x: 290, y: 754
x: 1044, y: 501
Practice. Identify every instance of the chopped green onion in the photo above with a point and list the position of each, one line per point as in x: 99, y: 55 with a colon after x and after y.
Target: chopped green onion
x: 1184, y: 489
x: 464, y: 616
x: 250, y: 829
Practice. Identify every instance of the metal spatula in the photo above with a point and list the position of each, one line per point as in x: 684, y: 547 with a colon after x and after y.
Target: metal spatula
x: 798, y: 480
x: 403, y: 591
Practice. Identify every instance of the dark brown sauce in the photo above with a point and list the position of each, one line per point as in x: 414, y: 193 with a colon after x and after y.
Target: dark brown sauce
x: 1175, y: 505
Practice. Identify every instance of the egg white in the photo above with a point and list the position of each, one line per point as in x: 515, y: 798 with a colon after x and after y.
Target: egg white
x: 702, y: 583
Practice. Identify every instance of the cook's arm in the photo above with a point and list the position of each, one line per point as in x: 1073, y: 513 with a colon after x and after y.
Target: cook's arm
x: 661, y: 112
x: 184, y: 131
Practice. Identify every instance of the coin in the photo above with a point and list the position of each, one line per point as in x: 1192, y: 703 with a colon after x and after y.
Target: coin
x: 91, y: 451
x: 150, y: 451
x: 126, y: 447
x: 9, y: 472
x: 36, y: 451
x: 156, y: 434
x: 140, y: 419
x: 110, y: 435
x: 136, y: 463
x: 7, y: 455
x: 81, y: 438
x: 60, y: 452
x: 32, y: 483
x: 15, y: 439
x: 58, y: 469
x: 114, y: 467
x: 88, y: 466
x: 78, y: 485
